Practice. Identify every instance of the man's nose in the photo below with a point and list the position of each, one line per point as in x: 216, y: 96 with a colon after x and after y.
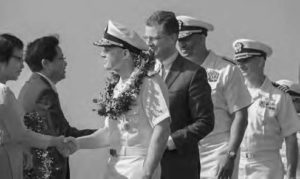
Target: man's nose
x: 102, y: 54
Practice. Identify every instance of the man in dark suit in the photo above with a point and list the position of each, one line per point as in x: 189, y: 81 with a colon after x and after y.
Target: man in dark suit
x: 39, y: 98
x: 191, y: 106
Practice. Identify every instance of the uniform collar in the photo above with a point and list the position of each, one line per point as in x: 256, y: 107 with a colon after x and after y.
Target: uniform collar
x: 211, y: 56
x: 255, y: 92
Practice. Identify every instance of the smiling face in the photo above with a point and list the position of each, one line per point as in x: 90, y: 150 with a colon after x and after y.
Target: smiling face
x: 13, y: 68
x: 251, y: 66
x: 187, y: 46
x: 161, y: 43
x: 113, y: 58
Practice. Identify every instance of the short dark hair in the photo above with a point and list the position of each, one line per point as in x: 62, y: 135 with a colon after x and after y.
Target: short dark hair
x: 8, y: 43
x: 167, y: 19
x: 39, y: 49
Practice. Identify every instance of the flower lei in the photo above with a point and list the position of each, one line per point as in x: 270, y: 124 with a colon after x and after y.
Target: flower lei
x: 43, y: 158
x: 114, y: 107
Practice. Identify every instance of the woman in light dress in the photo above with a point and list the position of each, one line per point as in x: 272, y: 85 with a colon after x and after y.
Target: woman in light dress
x: 13, y: 134
x: 135, y: 133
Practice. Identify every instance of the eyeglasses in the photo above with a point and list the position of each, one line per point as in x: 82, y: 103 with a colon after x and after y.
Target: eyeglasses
x: 155, y: 38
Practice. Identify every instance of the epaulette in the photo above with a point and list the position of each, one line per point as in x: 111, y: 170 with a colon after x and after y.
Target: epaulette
x: 228, y: 60
x: 286, y: 89
x: 281, y: 87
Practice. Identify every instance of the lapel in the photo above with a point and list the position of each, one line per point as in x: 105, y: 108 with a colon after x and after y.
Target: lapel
x: 174, y: 71
x: 44, y: 80
x: 52, y: 123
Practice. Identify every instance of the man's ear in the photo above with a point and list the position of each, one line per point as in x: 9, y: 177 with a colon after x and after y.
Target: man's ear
x: 126, y: 53
x: 44, y: 63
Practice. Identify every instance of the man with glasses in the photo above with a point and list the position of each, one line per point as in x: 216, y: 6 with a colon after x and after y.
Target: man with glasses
x: 190, y: 101
x: 272, y: 117
x: 219, y: 150
x: 40, y: 101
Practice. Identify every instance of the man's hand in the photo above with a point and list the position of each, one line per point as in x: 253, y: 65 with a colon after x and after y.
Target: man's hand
x: 67, y: 146
x: 225, y: 167
x: 170, y: 144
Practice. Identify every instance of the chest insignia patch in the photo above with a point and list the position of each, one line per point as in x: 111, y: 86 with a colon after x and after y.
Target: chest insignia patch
x: 212, y: 75
x: 267, y: 103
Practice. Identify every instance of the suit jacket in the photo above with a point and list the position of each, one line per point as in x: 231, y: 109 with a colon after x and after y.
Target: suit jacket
x: 192, y: 117
x: 37, y: 95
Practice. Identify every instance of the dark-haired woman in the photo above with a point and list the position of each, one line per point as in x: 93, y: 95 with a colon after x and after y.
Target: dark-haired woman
x: 13, y: 133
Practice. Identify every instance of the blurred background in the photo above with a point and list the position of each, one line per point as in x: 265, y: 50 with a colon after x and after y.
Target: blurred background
x: 80, y: 23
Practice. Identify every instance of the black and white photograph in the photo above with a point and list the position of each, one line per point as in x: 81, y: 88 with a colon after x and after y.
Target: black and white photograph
x: 138, y: 89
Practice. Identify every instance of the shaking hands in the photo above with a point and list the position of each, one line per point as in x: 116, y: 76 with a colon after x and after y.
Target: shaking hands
x: 67, y: 145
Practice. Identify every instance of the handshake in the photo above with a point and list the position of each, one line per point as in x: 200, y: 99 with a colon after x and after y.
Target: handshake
x: 66, y: 145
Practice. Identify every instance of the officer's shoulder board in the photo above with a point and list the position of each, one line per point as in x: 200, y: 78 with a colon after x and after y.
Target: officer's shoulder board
x: 228, y: 60
x: 281, y: 87
x: 286, y: 89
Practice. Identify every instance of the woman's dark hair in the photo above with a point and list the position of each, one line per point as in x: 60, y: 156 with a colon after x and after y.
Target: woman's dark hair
x: 39, y: 49
x: 8, y: 43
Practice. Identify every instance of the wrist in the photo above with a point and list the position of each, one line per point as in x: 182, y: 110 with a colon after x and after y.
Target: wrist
x: 54, y: 141
x: 147, y: 173
x: 231, y: 154
x: 147, y: 176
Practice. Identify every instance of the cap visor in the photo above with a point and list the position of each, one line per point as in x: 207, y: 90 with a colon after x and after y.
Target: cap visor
x: 183, y: 35
x: 102, y: 43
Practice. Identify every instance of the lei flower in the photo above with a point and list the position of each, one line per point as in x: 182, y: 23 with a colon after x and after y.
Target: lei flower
x: 43, y: 158
x: 114, y: 107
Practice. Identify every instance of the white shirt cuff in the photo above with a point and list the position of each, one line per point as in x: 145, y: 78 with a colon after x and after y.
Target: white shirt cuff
x: 170, y: 144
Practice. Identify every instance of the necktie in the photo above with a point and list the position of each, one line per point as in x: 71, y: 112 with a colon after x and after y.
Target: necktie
x: 162, y: 72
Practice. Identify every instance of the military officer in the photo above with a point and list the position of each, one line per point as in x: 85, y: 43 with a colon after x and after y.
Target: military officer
x: 218, y: 151
x: 293, y: 89
x: 272, y: 117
